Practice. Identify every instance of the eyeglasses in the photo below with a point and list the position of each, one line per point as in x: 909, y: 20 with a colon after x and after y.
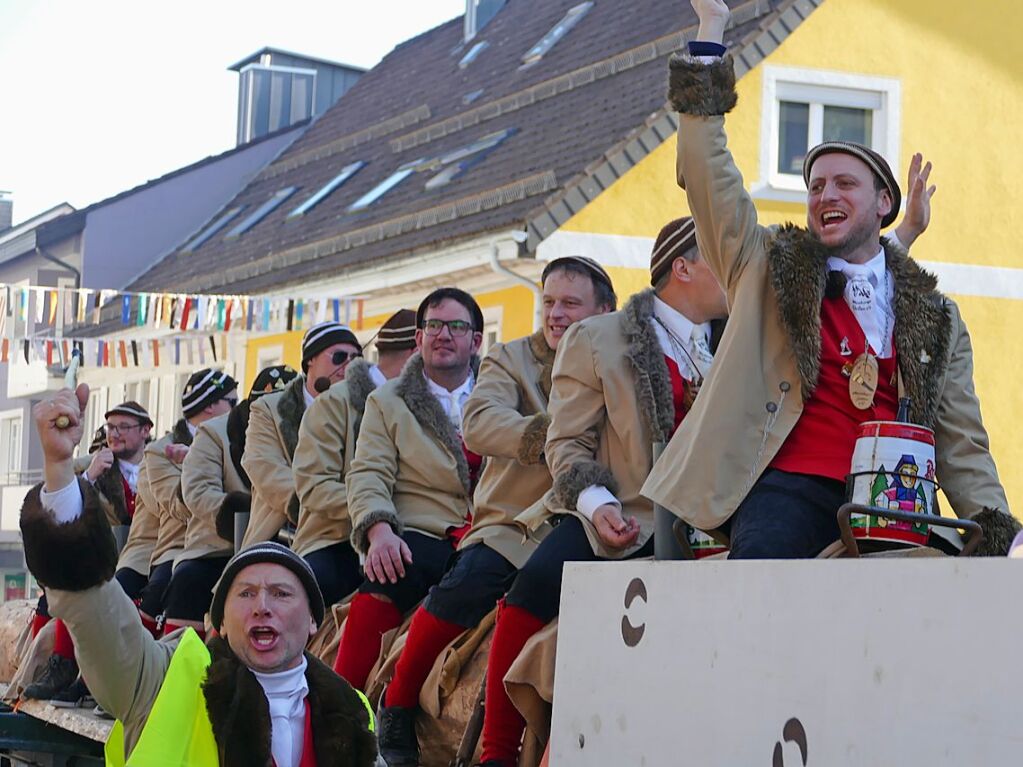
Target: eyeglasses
x: 457, y: 328
x: 340, y: 358
x: 113, y: 428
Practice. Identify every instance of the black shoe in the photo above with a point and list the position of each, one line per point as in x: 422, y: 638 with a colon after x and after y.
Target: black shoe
x: 75, y: 696
x: 396, y: 736
x: 60, y: 673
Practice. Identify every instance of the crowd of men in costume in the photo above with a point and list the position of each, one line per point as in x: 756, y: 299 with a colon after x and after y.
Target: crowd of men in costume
x: 433, y: 486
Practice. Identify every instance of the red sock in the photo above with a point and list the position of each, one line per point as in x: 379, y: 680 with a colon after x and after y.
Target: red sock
x: 151, y: 625
x: 502, y: 723
x: 171, y: 626
x: 368, y: 620
x: 62, y: 644
x: 427, y: 636
x: 38, y: 621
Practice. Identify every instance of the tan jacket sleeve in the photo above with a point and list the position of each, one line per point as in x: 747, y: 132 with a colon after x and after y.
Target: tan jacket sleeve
x: 491, y: 423
x: 966, y: 469
x: 202, y: 476
x: 372, y: 477
x: 577, y: 412
x: 319, y: 461
x: 165, y: 485
x: 264, y: 461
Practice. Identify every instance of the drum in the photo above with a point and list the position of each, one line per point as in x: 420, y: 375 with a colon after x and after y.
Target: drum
x: 892, y: 468
x: 702, y: 544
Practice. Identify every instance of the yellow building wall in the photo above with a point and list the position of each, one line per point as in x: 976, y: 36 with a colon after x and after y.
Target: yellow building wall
x: 962, y: 96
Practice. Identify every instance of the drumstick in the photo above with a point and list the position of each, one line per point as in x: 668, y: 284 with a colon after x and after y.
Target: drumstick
x: 70, y: 382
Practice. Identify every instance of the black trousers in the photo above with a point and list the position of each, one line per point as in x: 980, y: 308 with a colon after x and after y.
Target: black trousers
x: 155, y: 591
x: 786, y: 516
x: 132, y: 582
x: 537, y: 587
x: 429, y: 561
x: 191, y: 588
x: 337, y: 571
x: 476, y: 578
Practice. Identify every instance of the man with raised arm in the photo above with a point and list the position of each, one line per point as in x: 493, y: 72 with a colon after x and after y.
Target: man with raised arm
x: 830, y: 326
x: 253, y: 697
x: 505, y: 421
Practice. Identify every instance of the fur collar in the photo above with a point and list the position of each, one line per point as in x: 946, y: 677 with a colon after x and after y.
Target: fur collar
x: 291, y: 408
x: 237, y: 423
x: 360, y: 384
x: 798, y: 266
x: 240, y: 715
x: 649, y: 370
x: 413, y: 390
x: 110, y: 485
x: 543, y: 354
x: 181, y: 435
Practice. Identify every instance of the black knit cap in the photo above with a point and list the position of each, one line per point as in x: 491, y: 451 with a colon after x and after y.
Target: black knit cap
x: 271, y: 379
x: 273, y: 553
x: 204, y: 388
x: 323, y: 336
x: 877, y: 164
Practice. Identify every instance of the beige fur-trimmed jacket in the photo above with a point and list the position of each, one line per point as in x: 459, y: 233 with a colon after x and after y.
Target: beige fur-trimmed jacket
x: 768, y: 362
x: 208, y: 475
x: 611, y: 400
x: 326, y: 447
x: 505, y: 420
x: 270, y: 442
x: 409, y: 469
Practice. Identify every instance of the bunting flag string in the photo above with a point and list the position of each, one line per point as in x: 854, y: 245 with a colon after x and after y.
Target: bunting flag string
x: 25, y: 310
x: 164, y: 352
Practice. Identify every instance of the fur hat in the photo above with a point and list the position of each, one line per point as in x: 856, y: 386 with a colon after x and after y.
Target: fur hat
x: 204, y: 388
x: 675, y: 239
x: 274, y: 553
x: 873, y: 160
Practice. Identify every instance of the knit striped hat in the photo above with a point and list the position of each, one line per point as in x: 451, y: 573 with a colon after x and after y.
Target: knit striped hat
x: 204, y: 388
x: 323, y: 336
x: 274, y: 553
x: 873, y: 160
x: 132, y: 410
x: 398, y: 333
x: 675, y: 239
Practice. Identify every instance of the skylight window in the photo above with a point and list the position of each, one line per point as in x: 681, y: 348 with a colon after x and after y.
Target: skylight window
x: 212, y: 229
x: 384, y: 187
x: 346, y: 173
x: 473, y: 54
x: 455, y: 163
x: 261, y: 212
x: 562, y: 28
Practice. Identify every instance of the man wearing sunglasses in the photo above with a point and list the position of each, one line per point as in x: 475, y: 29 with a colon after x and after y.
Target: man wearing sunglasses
x: 114, y: 472
x: 274, y: 420
x: 326, y: 447
x: 410, y: 485
x: 209, y: 474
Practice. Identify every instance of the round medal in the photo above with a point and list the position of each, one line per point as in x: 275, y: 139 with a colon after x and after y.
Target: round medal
x: 863, y: 381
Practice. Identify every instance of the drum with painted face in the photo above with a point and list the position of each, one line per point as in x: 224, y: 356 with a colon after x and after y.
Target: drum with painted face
x: 892, y: 468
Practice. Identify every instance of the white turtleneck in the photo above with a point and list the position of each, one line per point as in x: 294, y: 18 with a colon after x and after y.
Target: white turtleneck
x: 286, y: 692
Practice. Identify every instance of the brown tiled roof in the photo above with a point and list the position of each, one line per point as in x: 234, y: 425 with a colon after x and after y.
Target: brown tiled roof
x: 588, y: 111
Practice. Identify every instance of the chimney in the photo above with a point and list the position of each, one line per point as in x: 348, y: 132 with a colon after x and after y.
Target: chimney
x: 478, y: 14
x: 6, y: 211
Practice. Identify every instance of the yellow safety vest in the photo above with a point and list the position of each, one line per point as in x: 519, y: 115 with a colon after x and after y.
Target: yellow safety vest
x: 180, y: 708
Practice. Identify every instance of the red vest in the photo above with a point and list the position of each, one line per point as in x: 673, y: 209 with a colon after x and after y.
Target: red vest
x: 678, y: 392
x: 129, y: 497
x: 475, y: 461
x: 822, y: 441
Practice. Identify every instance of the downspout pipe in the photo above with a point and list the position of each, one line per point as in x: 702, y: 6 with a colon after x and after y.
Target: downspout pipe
x: 501, y: 269
x: 53, y: 259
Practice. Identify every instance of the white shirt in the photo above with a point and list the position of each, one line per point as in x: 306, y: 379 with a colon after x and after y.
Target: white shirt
x: 595, y: 496
x: 376, y: 376
x: 130, y: 472
x: 309, y: 398
x: 876, y: 273
x: 286, y: 692
x: 453, y: 401
x: 193, y: 430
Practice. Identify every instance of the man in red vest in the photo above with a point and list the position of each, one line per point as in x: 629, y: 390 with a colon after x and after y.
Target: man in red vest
x: 830, y: 327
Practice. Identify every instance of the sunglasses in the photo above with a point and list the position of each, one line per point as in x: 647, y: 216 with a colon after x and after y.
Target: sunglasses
x: 457, y: 328
x: 232, y: 401
x: 340, y: 358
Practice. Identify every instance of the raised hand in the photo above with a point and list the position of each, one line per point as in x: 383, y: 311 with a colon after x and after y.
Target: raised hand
x: 59, y: 443
x: 713, y: 15
x: 918, y: 201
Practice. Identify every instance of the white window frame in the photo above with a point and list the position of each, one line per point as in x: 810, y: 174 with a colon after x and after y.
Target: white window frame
x: 493, y: 321
x: 819, y: 88
x: 13, y: 467
x: 267, y: 356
